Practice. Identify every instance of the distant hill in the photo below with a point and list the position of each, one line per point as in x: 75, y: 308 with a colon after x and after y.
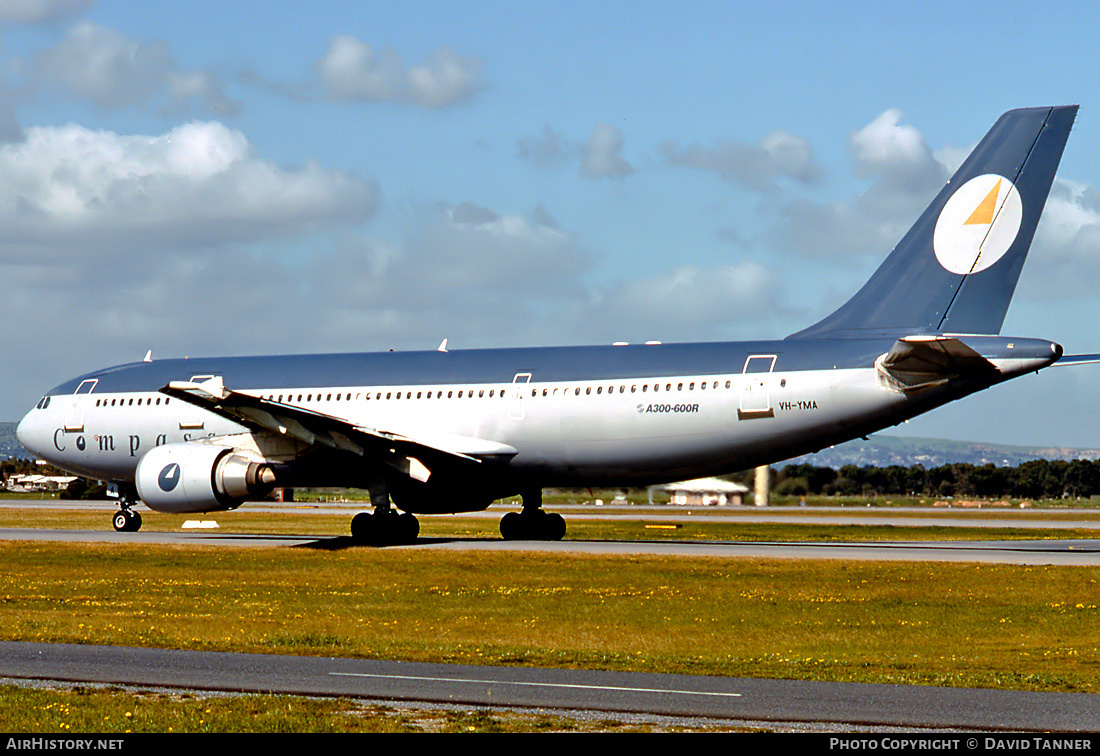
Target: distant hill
x: 883, y: 451
x: 879, y: 451
x: 9, y: 444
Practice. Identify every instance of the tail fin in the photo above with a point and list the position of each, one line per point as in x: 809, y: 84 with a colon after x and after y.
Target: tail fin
x: 957, y: 268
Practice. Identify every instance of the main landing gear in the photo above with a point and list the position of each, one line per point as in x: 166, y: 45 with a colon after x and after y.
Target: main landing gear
x: 532, y: 524
x: 126, y: 520
x: 385, y: 526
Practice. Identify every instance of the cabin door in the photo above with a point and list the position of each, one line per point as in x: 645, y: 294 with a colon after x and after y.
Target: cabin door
x: 756, y: 387
x: 519, y: 396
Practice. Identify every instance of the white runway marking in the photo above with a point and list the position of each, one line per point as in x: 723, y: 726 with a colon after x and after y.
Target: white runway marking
x: 539, y: 684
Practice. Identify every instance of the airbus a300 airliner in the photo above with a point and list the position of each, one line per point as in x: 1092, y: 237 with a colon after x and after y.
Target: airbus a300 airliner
x: 452, y: 431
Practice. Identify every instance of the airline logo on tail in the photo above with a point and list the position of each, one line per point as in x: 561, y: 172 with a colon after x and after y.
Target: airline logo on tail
x: 978, y: 224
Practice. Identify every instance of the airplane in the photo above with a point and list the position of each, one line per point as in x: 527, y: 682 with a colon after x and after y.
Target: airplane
x: 450, y: 431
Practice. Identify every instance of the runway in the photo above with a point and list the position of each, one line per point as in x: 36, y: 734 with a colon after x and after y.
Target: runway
x: 718, y: 699
x: 1079, y: 552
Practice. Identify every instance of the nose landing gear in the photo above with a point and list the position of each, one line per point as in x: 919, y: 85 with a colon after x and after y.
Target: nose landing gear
x: 126, y: 520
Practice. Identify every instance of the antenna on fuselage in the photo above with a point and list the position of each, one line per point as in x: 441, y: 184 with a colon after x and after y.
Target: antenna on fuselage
x: 148, y: 356
x: 442, y: 346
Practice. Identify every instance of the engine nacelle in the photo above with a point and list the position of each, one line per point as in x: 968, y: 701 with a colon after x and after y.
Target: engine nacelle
x: 191, y: 477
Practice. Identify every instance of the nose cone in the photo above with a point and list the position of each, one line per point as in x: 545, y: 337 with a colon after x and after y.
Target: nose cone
x: 29, y: 431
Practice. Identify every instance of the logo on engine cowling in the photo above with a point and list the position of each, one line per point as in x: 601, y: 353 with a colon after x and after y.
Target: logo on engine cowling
x: 169, y: 477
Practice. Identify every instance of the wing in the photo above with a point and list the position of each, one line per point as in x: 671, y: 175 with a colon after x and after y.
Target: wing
x: 413, y: 456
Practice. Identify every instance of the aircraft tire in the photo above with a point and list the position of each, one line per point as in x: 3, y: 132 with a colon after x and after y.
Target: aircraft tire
x: 532, y: 526
x: 512, y: 527
x: 408, y: 527
x: 554, y: 526
x: 389, y: 529
x: 126, y: 521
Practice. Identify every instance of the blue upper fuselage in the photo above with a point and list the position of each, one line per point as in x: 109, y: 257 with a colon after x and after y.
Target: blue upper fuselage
x: 545, y: 364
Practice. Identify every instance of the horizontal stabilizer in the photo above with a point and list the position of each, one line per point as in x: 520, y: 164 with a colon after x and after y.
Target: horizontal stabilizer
x: 918, y: 362
x: 1077, y: 359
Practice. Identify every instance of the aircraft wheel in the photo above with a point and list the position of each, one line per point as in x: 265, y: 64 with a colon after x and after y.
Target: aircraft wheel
x: 408, y: 527
x: 385, y: 528
x: 533, y: 525
x: 361, y: 527
x: 126, y: 521
x: 554, y: 527
x: 511, y: 527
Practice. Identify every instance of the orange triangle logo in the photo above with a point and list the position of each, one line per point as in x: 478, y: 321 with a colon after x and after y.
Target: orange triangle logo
x: 983, y: 213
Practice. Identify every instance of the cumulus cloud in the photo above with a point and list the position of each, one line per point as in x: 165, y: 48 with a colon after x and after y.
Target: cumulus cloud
x: 905, y: 174
x: 548, y: 149
x: 199, y: 183
x: 101, y: 66
x: 896, y: 154
x: 602, y: 154
x: 352, y: 70
x: 1067, y: 244
x: 40, y: 11
x: 598, y: 157
x: 756, y: 167
x: 464, y: 261
x: 689, y: 302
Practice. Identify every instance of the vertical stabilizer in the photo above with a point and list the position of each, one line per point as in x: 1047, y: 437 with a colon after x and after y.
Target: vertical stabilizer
x: 956, y: 269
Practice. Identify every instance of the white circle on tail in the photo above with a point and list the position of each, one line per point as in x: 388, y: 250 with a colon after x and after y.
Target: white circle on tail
x: 978, y: 224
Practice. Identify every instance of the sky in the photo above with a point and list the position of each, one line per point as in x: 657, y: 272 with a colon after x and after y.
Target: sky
x: 210, y: 178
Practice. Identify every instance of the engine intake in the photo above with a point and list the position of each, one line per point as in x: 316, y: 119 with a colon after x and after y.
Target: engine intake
x: 189, y: 477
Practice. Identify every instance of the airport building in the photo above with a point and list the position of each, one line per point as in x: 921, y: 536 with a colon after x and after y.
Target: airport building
x: 25, y: 483
x: 706, y: 492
